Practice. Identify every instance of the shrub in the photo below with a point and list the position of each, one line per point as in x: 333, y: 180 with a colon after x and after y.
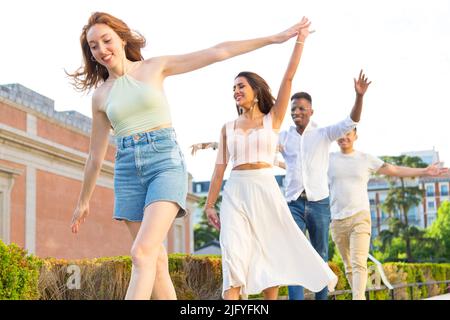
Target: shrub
x: 19, y: 273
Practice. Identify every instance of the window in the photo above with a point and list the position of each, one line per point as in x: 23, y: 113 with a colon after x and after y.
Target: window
x: 430, y: 219
x: 7, y: 176
x: 444, y: 190
x: 427, y: 159
x: 198, y: 188
x: 431, y: 205
x: 413, y: 215
x: 430, y: 190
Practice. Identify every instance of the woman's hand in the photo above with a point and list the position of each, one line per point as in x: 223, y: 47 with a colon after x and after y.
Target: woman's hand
x: 304, y: 31
x: 300, y: 28
x: 213, y: 218
x: 79, y: 217
x: 435, y: 169
x: 202, y: 146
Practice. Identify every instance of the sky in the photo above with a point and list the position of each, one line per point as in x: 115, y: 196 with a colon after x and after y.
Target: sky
x: 403, y: 47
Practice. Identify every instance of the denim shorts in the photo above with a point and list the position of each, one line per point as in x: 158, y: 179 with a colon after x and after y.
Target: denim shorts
x: 149, y: 167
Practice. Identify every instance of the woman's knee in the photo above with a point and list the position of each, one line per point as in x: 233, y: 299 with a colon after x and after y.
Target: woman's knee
x: 143, y: 256
x: 162, y: 262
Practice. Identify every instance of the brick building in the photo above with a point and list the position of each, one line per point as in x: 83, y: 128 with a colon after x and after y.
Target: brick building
x: 435, y: 191
x: 42, y: 157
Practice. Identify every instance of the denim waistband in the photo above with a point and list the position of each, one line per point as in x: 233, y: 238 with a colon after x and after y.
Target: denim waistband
x: 145, y: 137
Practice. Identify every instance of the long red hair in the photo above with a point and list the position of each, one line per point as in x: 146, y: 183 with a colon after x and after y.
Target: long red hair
x: 91, y: 73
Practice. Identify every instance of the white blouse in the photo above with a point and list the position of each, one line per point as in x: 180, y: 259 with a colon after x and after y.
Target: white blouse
x: 251, y: 146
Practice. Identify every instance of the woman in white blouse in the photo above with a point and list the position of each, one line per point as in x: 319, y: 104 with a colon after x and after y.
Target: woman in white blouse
x: 262, y: 247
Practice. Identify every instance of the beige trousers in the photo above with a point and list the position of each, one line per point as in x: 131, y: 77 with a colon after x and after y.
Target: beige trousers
x: 352, y: 238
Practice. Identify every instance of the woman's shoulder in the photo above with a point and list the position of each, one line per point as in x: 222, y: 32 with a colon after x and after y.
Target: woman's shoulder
x: 153, y: 63
x: 150, y: 70
x: 226, y: 125
x: 100, y: 95
x: 229, y: 125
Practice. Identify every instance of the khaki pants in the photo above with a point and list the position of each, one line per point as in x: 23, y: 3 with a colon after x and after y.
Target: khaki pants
x: 352, y: 238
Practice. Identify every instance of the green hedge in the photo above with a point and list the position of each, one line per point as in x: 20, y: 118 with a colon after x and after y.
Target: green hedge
x: 24, y: 276
x: 19, y: 273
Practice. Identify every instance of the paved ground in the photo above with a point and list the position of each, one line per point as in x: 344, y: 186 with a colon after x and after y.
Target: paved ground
x: 441, y: 297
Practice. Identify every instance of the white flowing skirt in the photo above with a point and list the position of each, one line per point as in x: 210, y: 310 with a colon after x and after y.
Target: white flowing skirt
x: 261, y: 244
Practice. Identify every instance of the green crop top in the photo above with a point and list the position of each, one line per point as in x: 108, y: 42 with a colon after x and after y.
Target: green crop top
x: 133, y: 106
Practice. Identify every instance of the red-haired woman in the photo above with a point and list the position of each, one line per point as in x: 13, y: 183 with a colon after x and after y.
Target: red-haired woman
x: 150, y: 177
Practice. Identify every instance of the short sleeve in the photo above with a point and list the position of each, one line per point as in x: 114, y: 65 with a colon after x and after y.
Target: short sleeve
x: 374, y: 163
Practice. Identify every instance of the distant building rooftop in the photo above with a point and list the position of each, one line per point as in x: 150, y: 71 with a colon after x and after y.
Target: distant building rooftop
x: 26, y: 97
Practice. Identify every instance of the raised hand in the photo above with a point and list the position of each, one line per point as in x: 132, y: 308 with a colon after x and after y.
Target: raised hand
x: 301, y: 27
x: 304, y: 31
x: 361, y: 84
x: 435, y: 170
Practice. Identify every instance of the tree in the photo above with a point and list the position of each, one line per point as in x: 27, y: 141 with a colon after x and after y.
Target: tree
x: 402, y: 198
x: 389, y: 246
x: 427, y: 245
x: 203, y: 231
x: 440, y: 230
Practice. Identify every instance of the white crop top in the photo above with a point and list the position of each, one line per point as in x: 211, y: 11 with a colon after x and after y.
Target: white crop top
x: 251, y: 146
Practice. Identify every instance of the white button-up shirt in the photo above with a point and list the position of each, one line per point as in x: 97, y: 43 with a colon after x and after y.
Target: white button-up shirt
x: 306, y: 157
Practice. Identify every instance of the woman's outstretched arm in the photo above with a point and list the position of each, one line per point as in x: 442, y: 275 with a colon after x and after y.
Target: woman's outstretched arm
x: 282, y: 102
x: 176, y: 64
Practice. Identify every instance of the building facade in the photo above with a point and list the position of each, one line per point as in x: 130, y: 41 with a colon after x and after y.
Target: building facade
x: 435, y: 191
x: 42, y: 157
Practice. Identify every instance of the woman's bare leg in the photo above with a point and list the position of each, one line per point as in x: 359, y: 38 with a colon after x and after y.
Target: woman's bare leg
x: 158, y: 217
x: 163, y: 288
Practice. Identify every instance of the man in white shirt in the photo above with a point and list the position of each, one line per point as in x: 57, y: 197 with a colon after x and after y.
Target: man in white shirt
x: 305, y: 149
x: 349, y: 173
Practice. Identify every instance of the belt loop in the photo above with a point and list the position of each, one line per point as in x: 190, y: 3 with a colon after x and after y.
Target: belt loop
x: 148, y: 137
x: 122, y: 142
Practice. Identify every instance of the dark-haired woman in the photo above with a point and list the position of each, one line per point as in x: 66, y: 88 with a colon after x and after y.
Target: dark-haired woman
x: 262, y: 247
